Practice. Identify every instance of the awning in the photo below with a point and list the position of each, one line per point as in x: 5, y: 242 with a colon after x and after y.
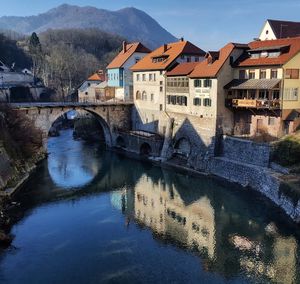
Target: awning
x: 252, y: 84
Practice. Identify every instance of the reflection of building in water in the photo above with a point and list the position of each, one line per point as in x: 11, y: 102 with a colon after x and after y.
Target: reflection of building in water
x: 281, y: 268
x: 228, y: 238
x: 160, y: 207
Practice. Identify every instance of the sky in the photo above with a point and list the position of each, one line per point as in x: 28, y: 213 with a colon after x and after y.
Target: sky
x: 209, y: 24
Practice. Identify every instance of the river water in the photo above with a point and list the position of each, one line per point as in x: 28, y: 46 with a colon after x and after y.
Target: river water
x: 93, y: 216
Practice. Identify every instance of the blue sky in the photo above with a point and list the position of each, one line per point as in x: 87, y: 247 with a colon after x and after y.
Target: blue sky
x: 209, y: 24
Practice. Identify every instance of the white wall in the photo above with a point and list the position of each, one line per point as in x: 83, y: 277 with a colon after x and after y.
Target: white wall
x: 267, y: 32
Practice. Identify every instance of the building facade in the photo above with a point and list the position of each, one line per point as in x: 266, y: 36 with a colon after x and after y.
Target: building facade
x: 149, y: 79
x: 118, y: 71
x: 264, y: 94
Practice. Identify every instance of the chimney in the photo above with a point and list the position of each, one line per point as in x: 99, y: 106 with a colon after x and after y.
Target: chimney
x: 182, y: 39
x: 165, y: 47
x: 124, y: 46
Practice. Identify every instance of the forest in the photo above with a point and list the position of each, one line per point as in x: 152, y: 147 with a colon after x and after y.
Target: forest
x: 62, y: 59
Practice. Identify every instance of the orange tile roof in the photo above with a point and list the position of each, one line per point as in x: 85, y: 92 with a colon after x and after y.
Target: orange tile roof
x: 171, y: 53
x: 182, y: 69
x: 122, y: 57
x: 211, y: 66
x: 292, y: 48
x: 97, y: 77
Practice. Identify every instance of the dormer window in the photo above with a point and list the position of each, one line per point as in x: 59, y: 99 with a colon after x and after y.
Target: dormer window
x: 159, y: 58
x: 264, y: 54
x: 254, y: 55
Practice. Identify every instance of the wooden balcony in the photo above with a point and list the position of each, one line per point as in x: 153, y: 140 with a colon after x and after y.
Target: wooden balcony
x: 253, y: 103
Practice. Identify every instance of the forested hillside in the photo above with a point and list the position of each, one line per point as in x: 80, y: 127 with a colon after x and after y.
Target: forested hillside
x: 62, y: 59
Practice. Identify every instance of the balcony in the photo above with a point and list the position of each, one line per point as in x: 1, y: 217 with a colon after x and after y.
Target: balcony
x: 253, y: 103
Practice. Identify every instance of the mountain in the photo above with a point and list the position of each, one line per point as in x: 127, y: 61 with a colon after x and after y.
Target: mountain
x: 131, y: 23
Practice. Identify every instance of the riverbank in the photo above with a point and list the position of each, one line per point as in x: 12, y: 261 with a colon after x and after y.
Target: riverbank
x: 13, y: 176
x: 244, y: 163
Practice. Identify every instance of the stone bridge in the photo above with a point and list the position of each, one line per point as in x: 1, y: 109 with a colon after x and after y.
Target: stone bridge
x: 111, y: 115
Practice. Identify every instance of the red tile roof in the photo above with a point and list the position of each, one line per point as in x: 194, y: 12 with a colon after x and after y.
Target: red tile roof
x: 182, y: 69
x: 170, y: 52
x: 289, y: 46
x: 98, y: 76
x: 122, y: 57
x: 211, y: 66
x: 284, y: 29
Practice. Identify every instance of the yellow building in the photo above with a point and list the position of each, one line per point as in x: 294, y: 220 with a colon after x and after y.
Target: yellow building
x: 264, y: 94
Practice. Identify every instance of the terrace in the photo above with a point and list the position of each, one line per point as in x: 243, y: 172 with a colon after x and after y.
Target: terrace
x: 254, y: 94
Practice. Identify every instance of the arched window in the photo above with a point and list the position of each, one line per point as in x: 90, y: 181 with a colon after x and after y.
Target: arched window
x: 144, y: 96
x: 138, y: 95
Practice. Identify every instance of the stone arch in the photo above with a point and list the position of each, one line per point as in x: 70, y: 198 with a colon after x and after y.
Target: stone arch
x: 120, y: 142
x: 145, y: 149
x: 45, y: 121
x: 182, y: 147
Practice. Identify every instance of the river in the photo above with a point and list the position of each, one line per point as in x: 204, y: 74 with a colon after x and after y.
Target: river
x: 89, y: 215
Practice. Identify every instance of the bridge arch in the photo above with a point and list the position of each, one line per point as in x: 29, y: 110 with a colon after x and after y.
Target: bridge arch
x: 145, y: 149
x: 45, y: 118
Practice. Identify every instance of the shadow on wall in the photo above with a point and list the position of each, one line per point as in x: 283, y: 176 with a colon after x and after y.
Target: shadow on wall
x: 187, y: 144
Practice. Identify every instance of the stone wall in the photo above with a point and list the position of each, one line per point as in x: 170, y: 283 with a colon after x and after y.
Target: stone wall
x: 245, y: 151
x: 133, y: 143
x: 261, y: 179
x: 6, y: 171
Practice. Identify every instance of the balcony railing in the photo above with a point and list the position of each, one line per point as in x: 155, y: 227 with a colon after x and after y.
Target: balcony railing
x: 253, y: 103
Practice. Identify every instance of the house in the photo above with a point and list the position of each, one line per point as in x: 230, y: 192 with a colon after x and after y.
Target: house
x: 264, y: 93
x: 276, y: 29
x: 119, y: 73
x: 19, y: 87
x: 86, y: 92
x: 149, y: 81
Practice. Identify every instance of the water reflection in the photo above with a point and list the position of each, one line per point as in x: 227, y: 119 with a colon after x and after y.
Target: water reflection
x: 130, y: 222
x: 71, y: 164
x: 208, y: 225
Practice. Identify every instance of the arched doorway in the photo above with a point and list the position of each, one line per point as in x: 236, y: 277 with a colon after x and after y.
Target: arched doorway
x: 182, y: 147
x: 145, y: 149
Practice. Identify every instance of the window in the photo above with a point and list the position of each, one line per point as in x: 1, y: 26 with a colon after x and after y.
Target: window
x: 274, y: 54
x: 160, y: 89
x: 263, y: 74
x: 138, y: 95
x: 150, y: 77
x: 197, y: 102
x: 188, y: 59
x: 177, y: 100
x: 160, y: 83
x: 274, y: 74
x: 207, y: 102
x: 251, y: 74
x: 152, y: 97
x: 207, y: 83
x: 292, y: 74
x: 160, y: 107
x: 263, y: 94
x: 144, y: 77
x: 197, y: 83
x: 154, y: 77
x: 144, y: 96
x: 242, y: 74
x: 290, y: 94
x: 276, y: 95
x: 138, y: 77
x: 254, y: 55
x: 86, y: 93
x: 271, y: 121
x: 160, y: 72
x: 196, y: 59
x: 137, y: 59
